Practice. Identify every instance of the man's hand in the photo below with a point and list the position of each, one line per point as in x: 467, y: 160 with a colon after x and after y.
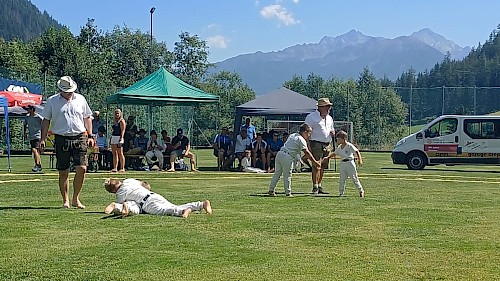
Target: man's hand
x: 332, y: 133
x: 360, y: 161
x: 317, y: 164
x: 90, y: 142
x: 41, y: 146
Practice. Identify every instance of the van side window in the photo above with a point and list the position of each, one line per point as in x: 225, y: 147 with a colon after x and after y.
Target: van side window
x: 444, y: 127
x: 482, y: 129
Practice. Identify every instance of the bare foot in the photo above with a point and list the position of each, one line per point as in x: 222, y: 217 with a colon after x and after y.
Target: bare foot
x: 125, y: 210
x: 207, y: 207
x: 66, y: 205
x: 171, y: 170
x: 186, y: 213
x: 78, y: 204
x: 121, y: 171
x: 194, y: 170
x: 109, y: 209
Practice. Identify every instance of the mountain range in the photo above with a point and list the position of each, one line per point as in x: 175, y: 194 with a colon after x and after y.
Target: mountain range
x: 343, y: 57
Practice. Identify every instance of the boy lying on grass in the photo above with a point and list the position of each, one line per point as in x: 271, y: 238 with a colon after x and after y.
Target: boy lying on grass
x: 135, y: 197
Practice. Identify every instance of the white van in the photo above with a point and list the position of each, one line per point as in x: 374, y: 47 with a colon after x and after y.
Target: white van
x: 452, y: 140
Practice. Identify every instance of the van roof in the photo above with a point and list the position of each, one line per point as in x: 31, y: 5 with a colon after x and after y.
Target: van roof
x: 470, y: 116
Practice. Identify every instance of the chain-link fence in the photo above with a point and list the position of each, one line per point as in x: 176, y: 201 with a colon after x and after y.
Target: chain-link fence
x: 425, y: 104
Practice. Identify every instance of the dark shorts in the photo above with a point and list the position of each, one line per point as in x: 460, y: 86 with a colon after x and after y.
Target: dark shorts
x: 69, y: 149
x: 320, y: 150
x: 34, y: 143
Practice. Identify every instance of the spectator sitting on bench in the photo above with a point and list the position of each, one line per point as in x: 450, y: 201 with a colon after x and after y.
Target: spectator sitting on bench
x: 242, y: 143
x: 273, y: 146
x: 155, y: 148
x: 181, y: 148
x: 140, y: 144
x: 168, y: 145
x: 259, y: 148
x: 222, y: 149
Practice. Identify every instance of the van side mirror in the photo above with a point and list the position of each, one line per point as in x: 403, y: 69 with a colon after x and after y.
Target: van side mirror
x: 419, y: 136
x: 427, y: 133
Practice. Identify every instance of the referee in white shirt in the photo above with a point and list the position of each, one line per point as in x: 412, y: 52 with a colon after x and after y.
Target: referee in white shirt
x: 70, y: 116
x: 321, y: 140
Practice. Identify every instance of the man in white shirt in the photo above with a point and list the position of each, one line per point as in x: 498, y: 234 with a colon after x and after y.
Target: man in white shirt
x: 243, y: 142
x: 70, y: 116
x: 320, y: 142
x: 134, y: 197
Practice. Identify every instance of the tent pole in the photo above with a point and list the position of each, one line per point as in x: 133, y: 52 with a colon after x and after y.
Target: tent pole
x: 7, y: 135
x: 150, y: 112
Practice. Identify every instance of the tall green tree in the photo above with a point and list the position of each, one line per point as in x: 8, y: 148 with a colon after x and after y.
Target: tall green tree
x: 231, y: 91
x: 191, y: 58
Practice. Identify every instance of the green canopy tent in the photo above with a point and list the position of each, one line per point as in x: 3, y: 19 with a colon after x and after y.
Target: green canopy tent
x: 161, y: 88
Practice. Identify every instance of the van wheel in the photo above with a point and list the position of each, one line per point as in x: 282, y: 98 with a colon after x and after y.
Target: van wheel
x: 416, y: 161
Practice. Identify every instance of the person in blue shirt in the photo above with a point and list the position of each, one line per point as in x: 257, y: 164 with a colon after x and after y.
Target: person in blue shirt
x: 222, y: 148
x: 251, y: 131
x: 274, y: 145
x: 141, y: 141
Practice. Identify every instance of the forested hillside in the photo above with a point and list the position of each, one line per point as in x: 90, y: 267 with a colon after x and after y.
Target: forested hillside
x: 22, y: 20
x: 468, y: 86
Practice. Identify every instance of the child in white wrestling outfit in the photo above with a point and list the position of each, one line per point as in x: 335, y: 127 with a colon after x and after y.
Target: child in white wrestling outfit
x: 134, y: 197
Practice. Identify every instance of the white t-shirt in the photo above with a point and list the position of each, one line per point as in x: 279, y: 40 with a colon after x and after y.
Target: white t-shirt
x: 347, y: 152
x: 67, y: 115
x: 320, y: 127
x: 246, y: 162
x: 295, y: 144
x: 241, y: 144
x: 160, y: 145
x: 131, y: 190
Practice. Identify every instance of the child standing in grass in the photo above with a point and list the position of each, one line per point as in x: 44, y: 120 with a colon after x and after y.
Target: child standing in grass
x: 134, y: 197
x: 346, y: 150
x: 295, y: 143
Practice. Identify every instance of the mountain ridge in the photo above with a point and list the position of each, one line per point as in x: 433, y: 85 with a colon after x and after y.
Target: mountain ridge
x: 343, y: 56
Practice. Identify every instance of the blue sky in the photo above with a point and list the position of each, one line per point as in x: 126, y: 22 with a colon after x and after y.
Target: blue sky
x: 234, y: 27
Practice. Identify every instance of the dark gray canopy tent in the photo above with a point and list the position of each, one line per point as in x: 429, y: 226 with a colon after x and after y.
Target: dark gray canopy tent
x: 281, y: 102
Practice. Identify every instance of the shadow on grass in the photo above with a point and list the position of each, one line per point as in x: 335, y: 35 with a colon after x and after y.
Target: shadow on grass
x: 295, y: 194
x: 441, y: 170
x: 27, y: 208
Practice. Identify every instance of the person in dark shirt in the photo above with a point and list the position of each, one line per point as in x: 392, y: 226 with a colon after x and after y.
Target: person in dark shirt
x: 222, y: 148
x: 181, y: 148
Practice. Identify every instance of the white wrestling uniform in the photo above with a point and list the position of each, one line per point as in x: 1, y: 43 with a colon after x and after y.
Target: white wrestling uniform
x: 347, y: 167
x: 138, y: 199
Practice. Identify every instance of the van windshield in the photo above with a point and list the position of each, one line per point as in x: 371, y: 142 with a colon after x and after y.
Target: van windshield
x: 443, y: 127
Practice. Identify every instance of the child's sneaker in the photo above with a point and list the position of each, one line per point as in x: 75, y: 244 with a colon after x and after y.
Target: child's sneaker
x: 362, y: 194
x: 288, y: 195
x: 271, y: 193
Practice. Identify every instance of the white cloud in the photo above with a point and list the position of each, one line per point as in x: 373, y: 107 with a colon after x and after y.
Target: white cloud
x: 295, y: 1
x: 218, y: 41
x: 280, y: 13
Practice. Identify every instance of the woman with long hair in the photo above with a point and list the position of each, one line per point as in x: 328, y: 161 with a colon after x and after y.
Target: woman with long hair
x: 117, y: 141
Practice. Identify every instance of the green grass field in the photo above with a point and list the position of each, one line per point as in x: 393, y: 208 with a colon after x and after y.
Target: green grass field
x: 437, y: 224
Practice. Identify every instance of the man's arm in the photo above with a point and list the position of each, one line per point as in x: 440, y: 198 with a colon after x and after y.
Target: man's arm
x: 88, y: 126
x: 45, y: 131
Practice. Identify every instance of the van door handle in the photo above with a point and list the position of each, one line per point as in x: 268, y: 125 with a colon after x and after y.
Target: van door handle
x: 456, y: 139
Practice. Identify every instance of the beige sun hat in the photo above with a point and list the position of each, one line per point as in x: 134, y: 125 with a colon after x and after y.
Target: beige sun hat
x: 66, y: 84
x: 323, y: 102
